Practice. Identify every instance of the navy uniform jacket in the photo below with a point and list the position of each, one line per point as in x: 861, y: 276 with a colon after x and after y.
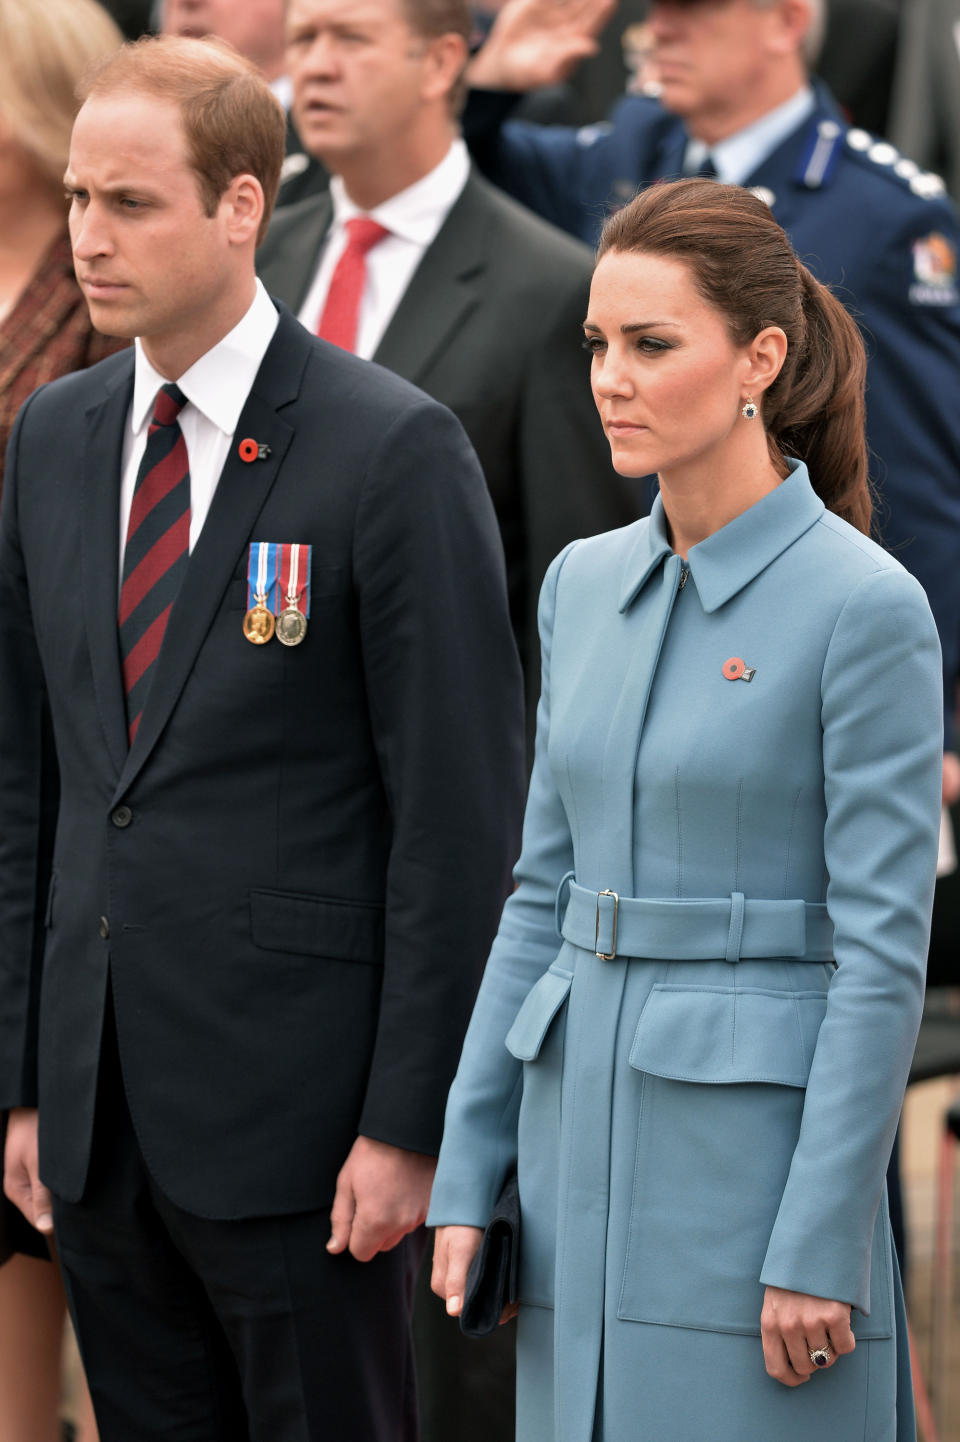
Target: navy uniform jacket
x: 868, y: 223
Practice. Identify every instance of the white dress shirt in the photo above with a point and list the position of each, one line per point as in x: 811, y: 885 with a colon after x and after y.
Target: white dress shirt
x: 216, y: 387
x: 738, y: 156
x: 413, y: 218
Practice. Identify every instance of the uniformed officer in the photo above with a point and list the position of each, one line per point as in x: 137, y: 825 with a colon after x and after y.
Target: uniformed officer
x: 736, y: 100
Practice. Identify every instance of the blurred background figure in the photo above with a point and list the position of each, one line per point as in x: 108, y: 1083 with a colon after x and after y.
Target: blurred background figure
x: 134, y: 17
x: 463, y: 292
x: 45, y: 332
x: 256, y: 29
x: 925, y: 114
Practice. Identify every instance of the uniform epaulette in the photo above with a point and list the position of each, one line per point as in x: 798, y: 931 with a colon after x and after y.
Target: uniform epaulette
x: 887, y: 160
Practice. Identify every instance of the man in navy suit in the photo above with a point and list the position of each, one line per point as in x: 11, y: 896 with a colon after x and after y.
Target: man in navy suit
x: 735, y: 100
x: 261, y: 725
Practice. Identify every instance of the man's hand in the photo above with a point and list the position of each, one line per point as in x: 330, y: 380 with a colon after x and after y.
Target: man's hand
x: 793, y: 1324
x: 21, y: 1179
x: 382, y: 1194
x: 538, y: 42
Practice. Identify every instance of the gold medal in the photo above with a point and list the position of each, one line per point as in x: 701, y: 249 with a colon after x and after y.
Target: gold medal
x: 291, y: 626
x: 259, y: 624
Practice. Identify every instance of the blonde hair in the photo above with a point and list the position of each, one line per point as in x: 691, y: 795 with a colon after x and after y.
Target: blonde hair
x: 45, y: 47
x: 233, y: 123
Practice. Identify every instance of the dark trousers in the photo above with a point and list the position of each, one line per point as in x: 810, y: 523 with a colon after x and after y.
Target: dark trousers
x: 194, y: 1330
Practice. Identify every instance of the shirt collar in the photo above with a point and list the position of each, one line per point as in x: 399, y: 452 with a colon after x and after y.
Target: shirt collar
x: 219, y: 382
x: 722, y: 564
x: 737, y: 157
x: 414, y: 214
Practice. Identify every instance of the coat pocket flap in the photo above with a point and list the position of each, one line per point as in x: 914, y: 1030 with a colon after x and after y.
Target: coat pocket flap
x: 723, y: 1034
x: 317, y: 926
x: 543, y: 1001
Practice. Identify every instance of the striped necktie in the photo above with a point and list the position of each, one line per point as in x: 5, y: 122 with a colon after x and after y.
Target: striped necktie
x: 341, y: 312
x: 157, y: 549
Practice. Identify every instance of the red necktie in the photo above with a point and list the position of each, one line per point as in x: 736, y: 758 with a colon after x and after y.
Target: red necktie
x: 341, y: 311
x: 157, y: 549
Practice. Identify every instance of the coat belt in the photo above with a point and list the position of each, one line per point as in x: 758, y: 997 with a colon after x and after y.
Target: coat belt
x: 729, y: 928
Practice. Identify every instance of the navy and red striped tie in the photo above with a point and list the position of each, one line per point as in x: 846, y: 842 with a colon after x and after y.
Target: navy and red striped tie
x: 157, y: 549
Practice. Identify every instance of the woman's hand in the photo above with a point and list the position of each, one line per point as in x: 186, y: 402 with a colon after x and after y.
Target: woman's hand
x: 454, y: 1249
x: 793, y: 1324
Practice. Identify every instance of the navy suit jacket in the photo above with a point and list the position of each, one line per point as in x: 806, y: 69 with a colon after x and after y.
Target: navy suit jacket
x: 300, y: 861
x: 869, y: 223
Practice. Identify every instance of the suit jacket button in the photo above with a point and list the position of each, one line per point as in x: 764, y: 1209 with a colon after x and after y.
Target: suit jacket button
x: 104, y: 927
x: 122, y: 816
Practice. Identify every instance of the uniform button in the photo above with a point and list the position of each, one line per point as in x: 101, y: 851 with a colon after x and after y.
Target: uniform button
x: 104, y: 927
x: 122, y: 816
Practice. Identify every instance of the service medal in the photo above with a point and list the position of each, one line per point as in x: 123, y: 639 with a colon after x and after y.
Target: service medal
x: 294, y: 582
x: 291, y: 626
x: 259, y: 623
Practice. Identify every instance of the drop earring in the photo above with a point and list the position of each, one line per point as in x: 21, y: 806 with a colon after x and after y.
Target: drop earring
x: 750, y: 410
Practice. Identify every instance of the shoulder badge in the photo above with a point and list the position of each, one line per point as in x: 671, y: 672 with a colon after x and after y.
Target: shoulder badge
x: 934, y: 270
x: 820, y: 154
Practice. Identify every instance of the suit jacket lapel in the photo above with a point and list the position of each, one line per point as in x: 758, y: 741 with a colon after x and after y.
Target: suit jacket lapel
x: 443, y: 290
x: 99, y: 555
x: 287, y: 267
x: 241, y: 491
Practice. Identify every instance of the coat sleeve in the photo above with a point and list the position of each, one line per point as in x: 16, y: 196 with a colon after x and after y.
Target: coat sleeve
x: 29, y: 794
x: 443, y: 692
x: 881, y: 710
x: 480, y: 1133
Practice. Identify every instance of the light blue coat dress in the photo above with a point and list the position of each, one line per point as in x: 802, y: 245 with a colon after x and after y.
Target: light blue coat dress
x: 708, y: 1106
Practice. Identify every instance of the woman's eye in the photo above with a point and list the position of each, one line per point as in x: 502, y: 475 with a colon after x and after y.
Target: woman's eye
x: 651, y: 344
x: 593, y: 345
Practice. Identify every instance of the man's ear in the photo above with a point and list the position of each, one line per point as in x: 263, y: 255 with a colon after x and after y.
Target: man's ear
x: 445, y: 58
x: 242, y: 205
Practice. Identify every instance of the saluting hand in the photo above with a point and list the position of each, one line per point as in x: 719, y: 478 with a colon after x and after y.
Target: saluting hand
x: 382, y: 1194
x: 538, y: 42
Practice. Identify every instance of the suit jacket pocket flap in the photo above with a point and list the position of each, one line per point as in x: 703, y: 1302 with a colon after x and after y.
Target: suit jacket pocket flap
x: 727, y: 1034
x: 317, y: 926
x: 543, y: 1001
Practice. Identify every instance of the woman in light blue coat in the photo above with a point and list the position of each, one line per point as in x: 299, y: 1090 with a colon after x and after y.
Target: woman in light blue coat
x: 696, y: 1024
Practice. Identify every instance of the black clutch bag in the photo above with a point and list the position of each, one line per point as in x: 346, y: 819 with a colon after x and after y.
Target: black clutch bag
x: 492, y: 1278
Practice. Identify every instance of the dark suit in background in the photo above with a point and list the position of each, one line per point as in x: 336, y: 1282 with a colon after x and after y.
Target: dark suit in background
x: 290, y: 880
x: 490, y: 325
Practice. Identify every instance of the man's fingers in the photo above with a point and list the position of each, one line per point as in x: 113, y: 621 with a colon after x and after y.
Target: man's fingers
x: 341, y: 1216
x: 42, y: 1208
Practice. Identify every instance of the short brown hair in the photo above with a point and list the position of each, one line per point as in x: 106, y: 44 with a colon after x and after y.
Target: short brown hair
x: 742, y: 264
x: 233, y: 123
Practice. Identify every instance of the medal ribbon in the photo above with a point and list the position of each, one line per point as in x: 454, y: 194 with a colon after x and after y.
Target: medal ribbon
x: 294, y: 577
x: 262, y: 573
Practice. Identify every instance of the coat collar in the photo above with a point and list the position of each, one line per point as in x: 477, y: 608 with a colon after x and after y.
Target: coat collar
x: 732, y: 557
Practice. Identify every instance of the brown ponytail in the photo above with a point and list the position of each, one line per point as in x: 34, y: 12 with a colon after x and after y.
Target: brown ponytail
x: 743, y: 265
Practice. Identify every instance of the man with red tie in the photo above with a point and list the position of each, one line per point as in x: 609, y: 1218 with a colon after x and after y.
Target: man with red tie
x: 261, y: 727
x: 414, y: 261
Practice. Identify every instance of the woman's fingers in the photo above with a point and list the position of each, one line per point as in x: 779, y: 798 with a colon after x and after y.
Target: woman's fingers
x: 776, y: 1360
x: 453, y: 1251
x: 793, y: 1325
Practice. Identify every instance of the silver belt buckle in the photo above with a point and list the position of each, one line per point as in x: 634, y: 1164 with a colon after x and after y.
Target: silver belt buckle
x: 606, y: 955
